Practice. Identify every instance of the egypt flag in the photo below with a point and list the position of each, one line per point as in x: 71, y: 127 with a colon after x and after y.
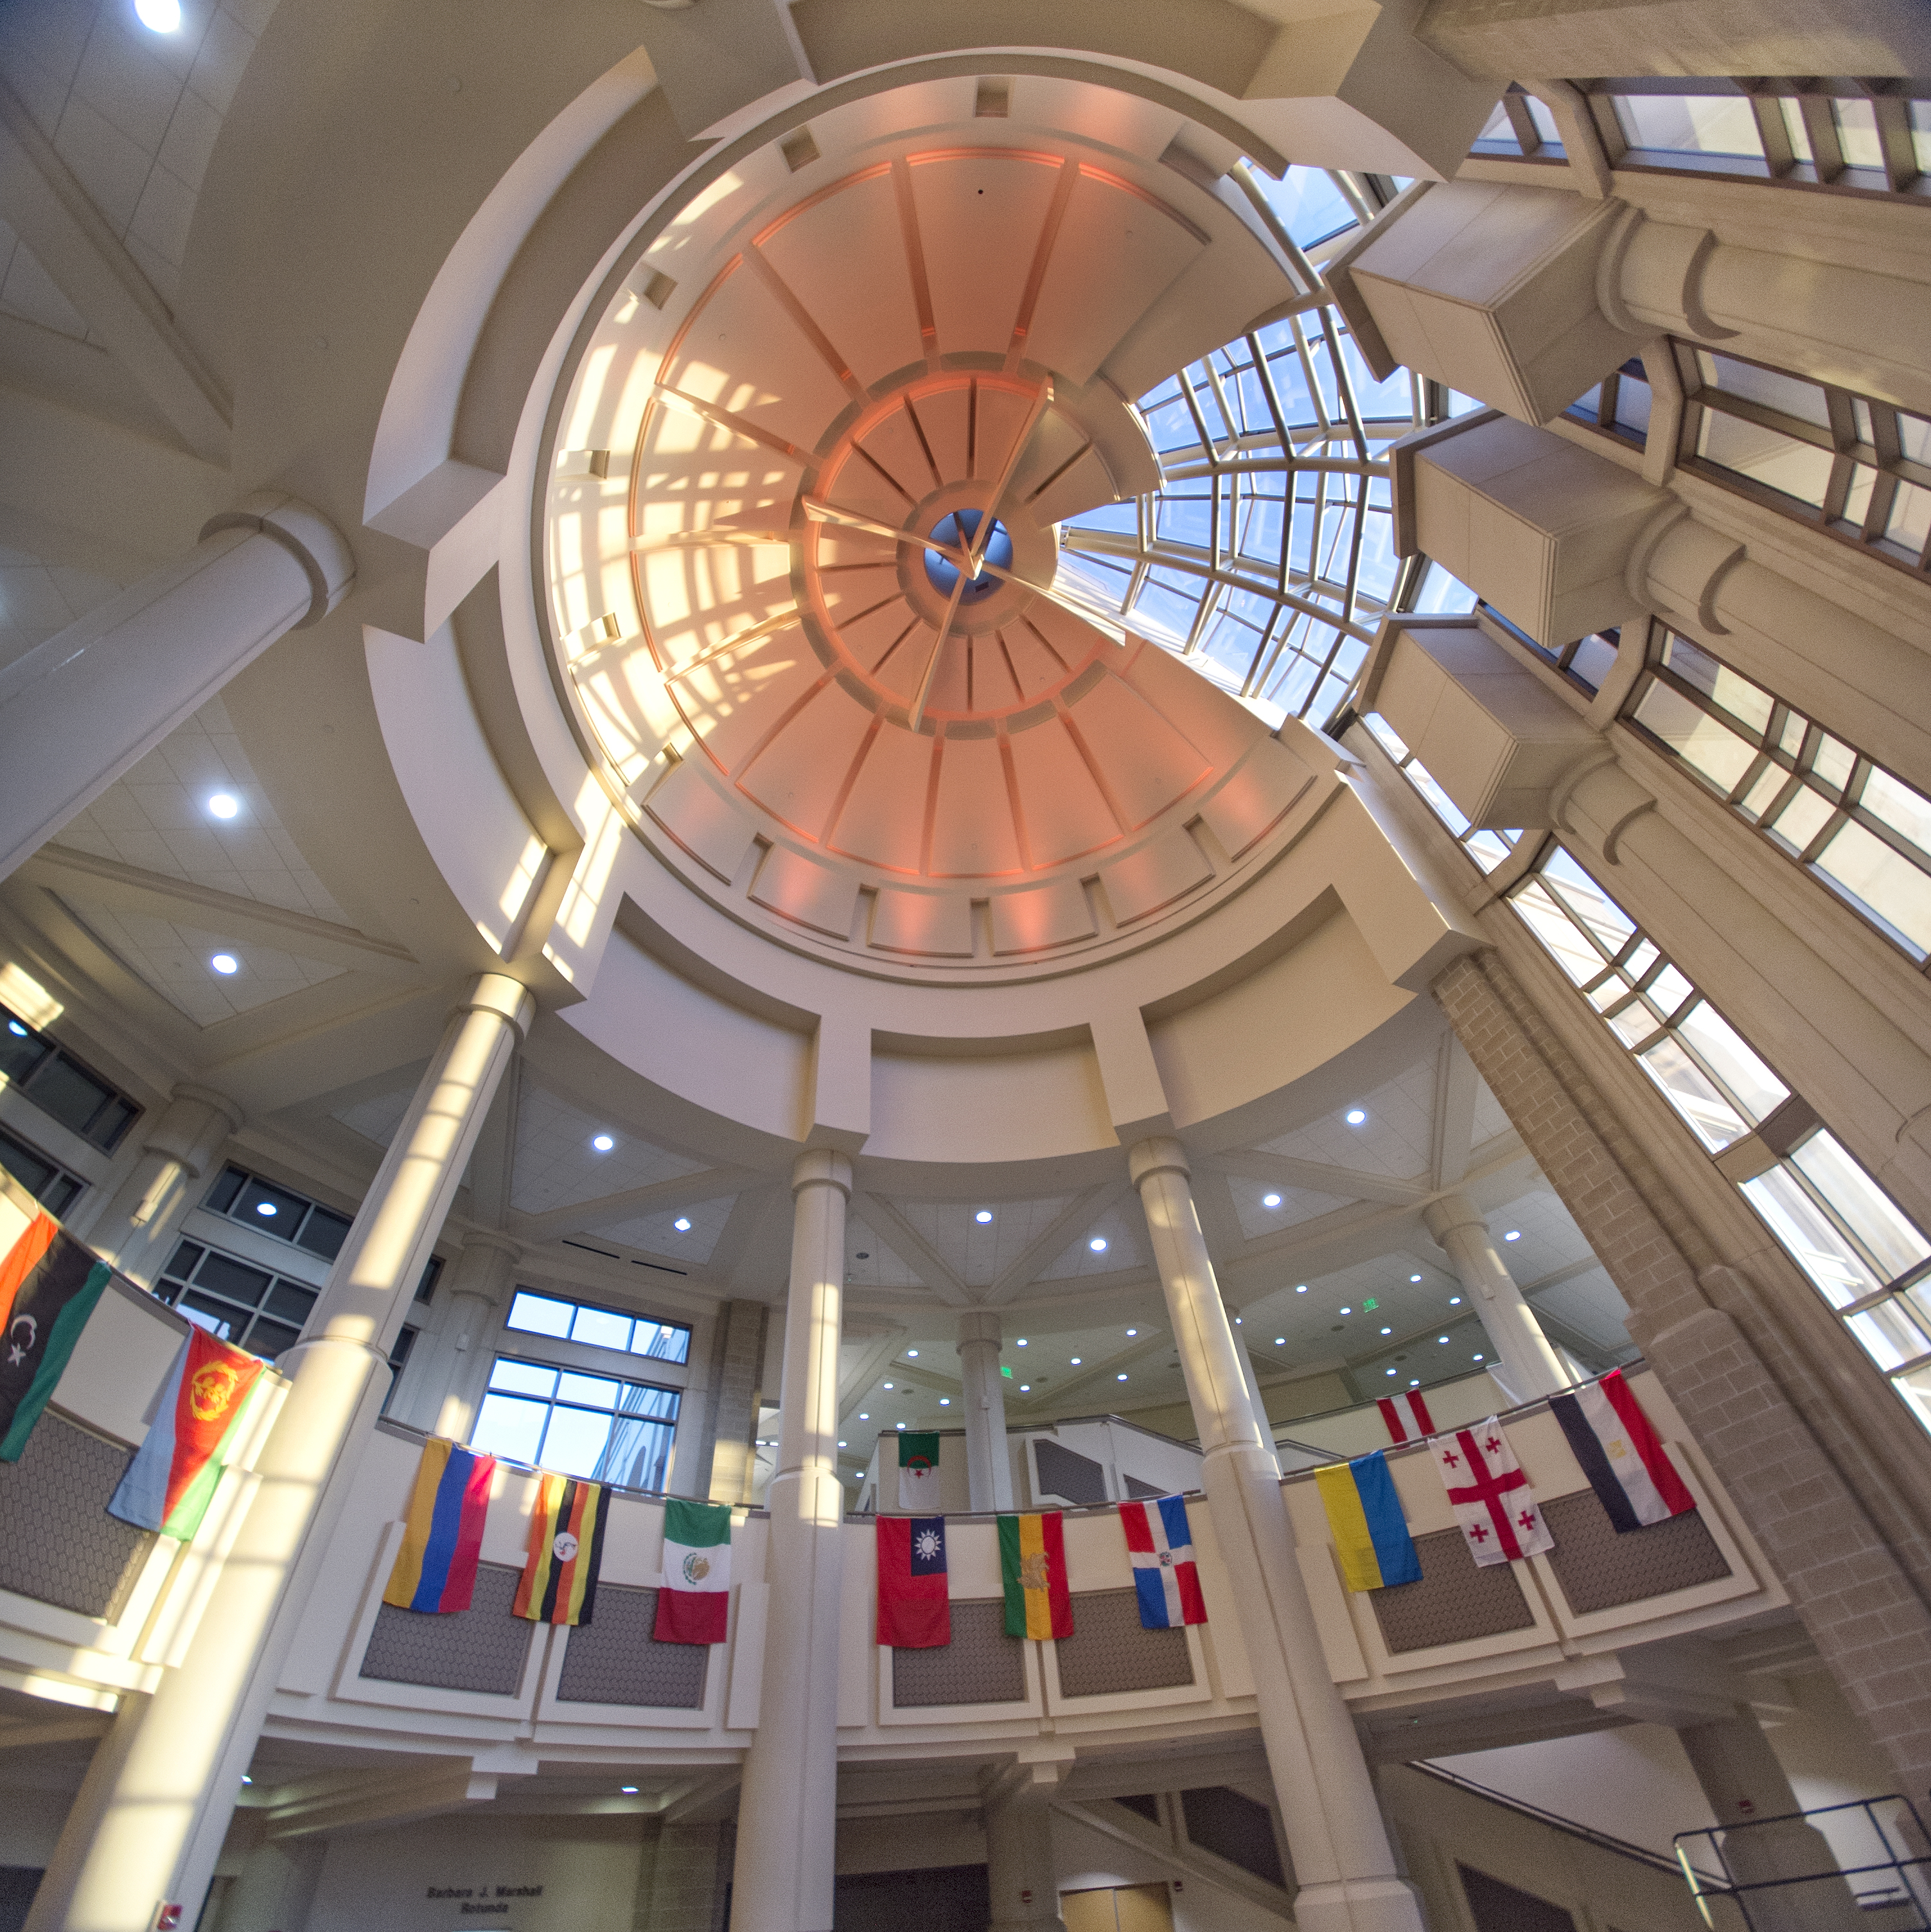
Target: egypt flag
x: 1033, y: 1567
x: 48, y: 1286
x: 1161, y: 1546
x: 693, y: 1605
x: 566, y: 1552
x: 919, y: 1473
x: 442, y: 1538
x: 1490, y: 1495
x: 1406, y: 1415
x: 914, y: 1612
x: 197, y: 1423
x: 1626, y: 1464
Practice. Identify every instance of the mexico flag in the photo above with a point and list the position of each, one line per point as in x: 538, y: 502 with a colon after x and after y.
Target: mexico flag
x: 197, y: 1423
x: 694, y: 1601
x: 1033, y: 1566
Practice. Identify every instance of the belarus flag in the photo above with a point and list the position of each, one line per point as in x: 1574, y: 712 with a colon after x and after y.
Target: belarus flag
x: 914, y: 1613
x: 695, y: 1599
x: 1161, y: 1546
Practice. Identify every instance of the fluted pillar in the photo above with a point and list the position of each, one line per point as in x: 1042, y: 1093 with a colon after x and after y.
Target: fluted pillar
x: 481, y: 1280
x: 787, y: 1815
x: 136, y: 1229
x: 988, y: 1461
x: 1343, y: 1865
x: 155, y: 1830
x: 1020, y: 1877
x: 78, y: 710
x: 1530, y: 1366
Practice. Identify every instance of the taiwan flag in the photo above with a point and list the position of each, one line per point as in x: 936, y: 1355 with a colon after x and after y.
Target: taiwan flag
x: 1161, y: 1546
x: 914, y: 1612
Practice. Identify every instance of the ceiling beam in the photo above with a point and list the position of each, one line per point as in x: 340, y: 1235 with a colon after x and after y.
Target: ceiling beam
x: 1046, y: 1247
x: 913, y: 1248
x: 684, y: 1191
x: 1456, y: 1084
x: 1345, y: 1183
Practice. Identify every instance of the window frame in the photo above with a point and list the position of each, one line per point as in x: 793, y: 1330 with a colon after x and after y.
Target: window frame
x: 62, y: 1187
x: 171, y: 1288
x: 246, y: 1177
x: 629, y: 1355
x: 556, y: 1400
x: 53, y: 1053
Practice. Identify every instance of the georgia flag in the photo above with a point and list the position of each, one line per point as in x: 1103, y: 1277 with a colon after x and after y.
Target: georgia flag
x: 1161, y: 1546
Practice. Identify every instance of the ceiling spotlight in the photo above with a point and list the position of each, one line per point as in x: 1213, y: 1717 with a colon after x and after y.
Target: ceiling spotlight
x: 1442, y: 1339
x: 267, y: 1207
x: 1387, y: 1331
x: 1475, y: 1358
x: 885, y: 1384
x: 944, y: 1402
x: 223, y: 805
x: 1356, y: 1116
x: 1513, y: 1235
x: 984, y: 1215
x: 683, y: 1224
x: 1391, y: 1371
x: 1414, y: 1381
x: 1133, y: 1331
x: 629, y: 1790
x: 246, y: 1779
x: 1300, y: 1288
x: 898, y: 1425
x: 865, y: 1415
x: 1414, y: 1277
x: 15, y: 1027
x: 1076, y: 1361
x: 1346, y: 1311
x: 842, y: 1445
x: 1280, y: 1341
x: 911, y: 1353
x: 225, y: 963
x: 1098, y: 1244
x: 603, y: 1143
x: 1120, y: 1378
x: 1455, y: 1301
x: 1025, y: 1388
x: 1270, y: 1200
x: 161, y: 16
x: 1020, y: 1343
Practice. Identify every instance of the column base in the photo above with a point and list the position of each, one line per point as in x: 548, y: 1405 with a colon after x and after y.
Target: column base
x: 1360, y: 1905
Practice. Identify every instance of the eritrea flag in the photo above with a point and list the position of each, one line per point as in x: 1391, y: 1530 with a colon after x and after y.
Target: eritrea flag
x: 197, y: 1422
x: 48, y: 1286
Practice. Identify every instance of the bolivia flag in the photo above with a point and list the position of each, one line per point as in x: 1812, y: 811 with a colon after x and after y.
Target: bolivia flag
x: 436, y: 1567
x: 566, y: 1552
x: 1627, y: 1464
x: 914, y: 1613
x: 49, y: 1286
x: 196, y: 1424
x: 918, y: 1473
x: 1033, y: 1564
x: 1364, y: 1517
x: 693, y: 1604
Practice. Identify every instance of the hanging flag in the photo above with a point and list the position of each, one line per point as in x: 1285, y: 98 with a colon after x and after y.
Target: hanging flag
x: 1492, y: 1498
x: 918, y: 1473
x: 197, y: 1423
x: 1161, y: 1546
x: 1406, y: 1415
x: 48, y: 1286
x: 695, y: 1602
x: 1627, y: 1464
x: 1033, y: 1566
x: 914, y: 1612
x: 566, y: 1552
x: 436, y: 1567
x: 1365, y: 1516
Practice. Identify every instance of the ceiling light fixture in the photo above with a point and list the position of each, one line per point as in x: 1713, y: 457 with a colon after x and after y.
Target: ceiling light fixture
x: 1300, y: 1288
x: 225, y: 963
x: 1098, y: 1244
x: 1270, y: 1200
x: 885, y: 1384
x: 1076, y: 1361
x: 683, y: 1224
x: 267, y: 1207
x: 1455, y: 1301
x: 984, y: 1215
x: 1442, y: 1339
x: 1280, y: 1341
x: 159, y: 16
x: 603, y: 1143
x: 1356, y: 1116
x: 898, y: 1425
x: 1387, y: 1331
x: 1391, y: 1371
x: 1513, y: 1235
x: 865, y: 1415
x: 1133, y: 1331
x: 223, y: 805
x: 1414, y: 1277
x: 912, y: 1355
x: 1119, y: 1378
x: 629, y: 1790
x: 841, y: 1443
x: 1476, y: 1358
x: 944, y: 1402
x: 1020, y: 1343
x: 1345, y: 1311
x: 1025, y: 1388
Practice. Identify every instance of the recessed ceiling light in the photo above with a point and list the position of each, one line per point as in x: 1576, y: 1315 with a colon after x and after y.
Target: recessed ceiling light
x: 1076, y: 1361
x: 1280, y: 1341
x: 842, y: 1445
x: 898, y: 1425
x: 911, y: 1353
x: 944, y: 1402
x: 1020, y: 1343
x: 1098, y: 1244
x: 1475, y: 1358
x: 1300, y: 1288
x: 865, y: 1415
x: 1414, y: 1277
x: 603, y: 1143
x: 246, y: 1779
x: 683, y: 1224
x: 1442, y: 1339
x: 885, y: 1384
x: 267, y: 1207
x: 1391, y: 1371
x: 1270, y: 1200
x: 1387, y: 1331
x: 1355, y: 1116
x: 1346, y: 1311
x: 223, y: 805
x: 984, y: 1215
x: 226, y: 963
x: 1455, y: 1301
x: 1119, y: 1378
x: 1513, y: 1235
x: 162, y: 16
x: 1133, y: 1331
x: 14, y: 1026
x: 1414, y: 1381
x: 1025, y: 1388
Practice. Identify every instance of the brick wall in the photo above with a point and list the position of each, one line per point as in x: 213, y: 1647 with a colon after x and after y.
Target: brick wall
x: 737, y: 1370
x: 684, y: 1879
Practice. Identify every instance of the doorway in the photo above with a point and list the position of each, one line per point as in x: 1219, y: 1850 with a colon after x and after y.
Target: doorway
x: 1123, y: 1908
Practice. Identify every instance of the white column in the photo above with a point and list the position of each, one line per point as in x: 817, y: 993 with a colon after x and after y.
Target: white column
x: 988, y: 1461
x: 1531, y: 1367
x: 1020, y: 1880
x: 787, y: 1814
x: 481, y: 1279
x: 76, y: 711
x: 1345, y: 1870
x: 1251, y: 1376
x: 136, y: 1228
x: 156, y: 1832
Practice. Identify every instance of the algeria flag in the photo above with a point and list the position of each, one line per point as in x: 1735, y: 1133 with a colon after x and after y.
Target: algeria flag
x: 695, y: 1597
x: 918, y: 1474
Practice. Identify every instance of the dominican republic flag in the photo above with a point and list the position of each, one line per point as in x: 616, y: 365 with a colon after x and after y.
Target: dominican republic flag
x: 918, y: 1472
x: 1620, y: 1454
x: 693, y: 1605
x: 1161, y: 1545
x: 914, y: 1612
x: 443, y: 1537
x: 1492, y: 1498
x: 1406, y: 1415
x: 197, y: 1423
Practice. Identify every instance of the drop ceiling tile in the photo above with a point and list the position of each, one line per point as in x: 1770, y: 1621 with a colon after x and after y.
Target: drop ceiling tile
x: 556, y: 1166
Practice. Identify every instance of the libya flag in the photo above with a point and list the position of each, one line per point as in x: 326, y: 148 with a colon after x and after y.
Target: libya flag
x: 918, y: 1474
x: 694, y: 1601
x: 48, y: 1286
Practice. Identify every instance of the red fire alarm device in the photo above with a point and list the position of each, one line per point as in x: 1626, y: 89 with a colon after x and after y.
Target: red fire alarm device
x: 167, y: 1918
x: 1026, y: 1896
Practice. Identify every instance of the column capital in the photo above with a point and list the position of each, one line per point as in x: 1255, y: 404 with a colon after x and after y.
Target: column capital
x: 980, y: 1324
x: 1449, y: 1212
x: 1158, y: 1154
x: 822, y: 1167
x: 306, y: 534
x: 509, y: 999
x: 192, y: 1127
x: 488, y: 1240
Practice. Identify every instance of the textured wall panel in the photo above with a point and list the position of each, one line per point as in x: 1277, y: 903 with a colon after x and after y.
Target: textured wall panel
x: 1110, y: 1651
x: 1456, y: 1601
x: 1064, y: 1472
x: 1598, y: 1569
x: 1136, y: 1489
x: 58, y: 1543
x: 982, y: 1665
x: 616, y: 1660
x: 482, y: 1649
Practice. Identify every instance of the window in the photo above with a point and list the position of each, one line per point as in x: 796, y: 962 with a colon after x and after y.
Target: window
x: 1864, y: 833
x: 1867, y: 1260
x: 398, y: 1360
x: 49, y: 1183
x: 578, y: 1425
x: 1488, y: 849
x: 1859, y: 469
x: 58, y: 1085
x: 599, y: 1327
x: 270, y: 1209
x: 1619, y: 404
x: 255, y: 1309
x: 1586, y: 662
x: 1521, y: 125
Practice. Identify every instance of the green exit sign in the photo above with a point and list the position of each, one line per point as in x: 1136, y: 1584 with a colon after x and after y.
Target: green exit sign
x: 1371, y: 1304
x: 1004, y: 1370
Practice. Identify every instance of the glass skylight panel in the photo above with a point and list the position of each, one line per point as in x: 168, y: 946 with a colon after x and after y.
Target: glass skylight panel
x: 597, y: 1327
x: 1487, y: 848
x: 1690, y: 124
x: 595, y: 1426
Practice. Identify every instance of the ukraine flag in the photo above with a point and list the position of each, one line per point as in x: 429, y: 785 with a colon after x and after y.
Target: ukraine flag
x: 1364, y: 1515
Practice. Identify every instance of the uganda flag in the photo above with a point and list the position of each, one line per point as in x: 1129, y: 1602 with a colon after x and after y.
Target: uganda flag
x: 566, y: 1551
x: 48, y: 1286
x: 1033, y: 1564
